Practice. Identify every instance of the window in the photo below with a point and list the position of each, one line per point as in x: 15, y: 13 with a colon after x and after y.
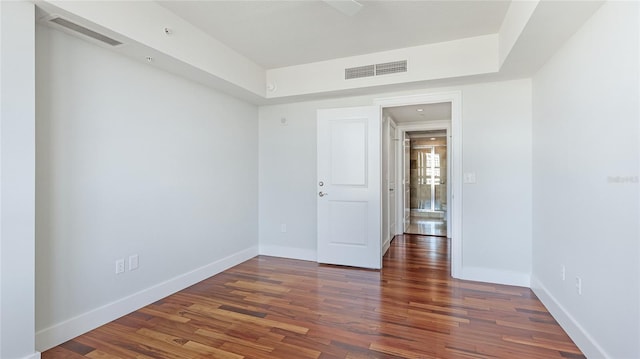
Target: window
x: 428, y: 166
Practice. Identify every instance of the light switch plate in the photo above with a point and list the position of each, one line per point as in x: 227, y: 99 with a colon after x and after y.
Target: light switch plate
x: 470, y: 177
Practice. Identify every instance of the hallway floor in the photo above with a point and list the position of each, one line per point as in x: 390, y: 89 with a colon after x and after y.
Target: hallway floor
x: 427, y: 226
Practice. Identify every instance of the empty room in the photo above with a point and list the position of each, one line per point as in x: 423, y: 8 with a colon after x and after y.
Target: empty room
x: 319, y: 179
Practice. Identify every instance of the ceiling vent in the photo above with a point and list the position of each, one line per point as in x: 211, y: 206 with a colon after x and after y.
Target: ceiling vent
x: 358, y: 72
x: 391, y: 67
x: 84, y: 31
x: 375, y: 70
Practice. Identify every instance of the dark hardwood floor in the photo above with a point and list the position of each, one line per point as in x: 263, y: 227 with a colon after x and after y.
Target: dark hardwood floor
x: 279, y: 308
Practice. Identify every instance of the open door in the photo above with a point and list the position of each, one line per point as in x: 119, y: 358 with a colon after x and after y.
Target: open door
x: 392, y: 181
x: 349, y: 187
x: 406, y: 182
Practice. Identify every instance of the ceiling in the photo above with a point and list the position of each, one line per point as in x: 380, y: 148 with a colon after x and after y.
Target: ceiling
x: 430, y: 112
x: 275, y: 33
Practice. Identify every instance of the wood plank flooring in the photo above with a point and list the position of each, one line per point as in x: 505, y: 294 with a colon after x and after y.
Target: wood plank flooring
x: 279, y: 308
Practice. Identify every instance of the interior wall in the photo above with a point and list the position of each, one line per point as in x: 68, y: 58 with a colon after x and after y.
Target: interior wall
x: 497, y: 146
x: 497, y: 208
x: 17, y: 176
x: 585, y: 212
x: 133, y: 160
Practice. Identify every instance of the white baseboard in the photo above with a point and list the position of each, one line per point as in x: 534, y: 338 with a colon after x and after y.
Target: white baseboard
x: 291, y: 253
x: 576, y: 332
x: 496, y: 276
x: 35, y: 355
x: 71, y: 328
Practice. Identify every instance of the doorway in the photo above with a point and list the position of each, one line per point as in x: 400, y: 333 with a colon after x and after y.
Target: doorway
x: 452, y: 103
x: 427, y: 178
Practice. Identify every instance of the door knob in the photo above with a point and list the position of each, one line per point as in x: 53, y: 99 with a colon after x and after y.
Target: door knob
x: 322, y: 194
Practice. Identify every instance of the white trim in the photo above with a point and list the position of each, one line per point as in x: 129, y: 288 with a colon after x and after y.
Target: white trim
x: 35, y: 355
x: 71, y: 328
x: 587, y: 344
x: 424, y: 126
x: 638, y: 102
x: 490, y: 275
x: 393, y: 143
x: 288, y: 252
x: 455, y: 208
x: 386, y: 245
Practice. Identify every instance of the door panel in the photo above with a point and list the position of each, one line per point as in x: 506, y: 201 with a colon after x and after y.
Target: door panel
x: 385, y: 181
x: 392, y: 180
x: 349, y: 220
x: 406, y: 181
x: 348, y: 141
x: 348, y: 188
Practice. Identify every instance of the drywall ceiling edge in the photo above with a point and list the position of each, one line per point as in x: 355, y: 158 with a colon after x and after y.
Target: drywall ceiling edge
x: 189, y: 52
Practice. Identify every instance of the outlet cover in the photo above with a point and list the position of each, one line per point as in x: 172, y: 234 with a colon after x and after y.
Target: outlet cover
x: 120, y: 266
x: 579, y: 285
x: 133, y: 262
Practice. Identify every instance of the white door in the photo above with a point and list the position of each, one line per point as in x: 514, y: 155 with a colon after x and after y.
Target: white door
x: 406, y: 177
x: 392, y: 180
x: 385, y: 182
x: 348, y: 187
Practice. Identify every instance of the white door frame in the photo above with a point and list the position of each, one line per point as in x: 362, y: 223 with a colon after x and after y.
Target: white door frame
x: 393, y: 143
x: 454, y: 211
x: 432, y: 126
x: 388, y: 143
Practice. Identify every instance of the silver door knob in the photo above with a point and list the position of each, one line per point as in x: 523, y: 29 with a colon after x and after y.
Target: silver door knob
x: 322, y: 194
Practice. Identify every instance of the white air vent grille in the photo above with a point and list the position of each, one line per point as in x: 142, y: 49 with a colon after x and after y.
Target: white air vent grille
x: 375, y: 70
x: 358, y: 72
x: 391, y: 67
x: 83, y: 30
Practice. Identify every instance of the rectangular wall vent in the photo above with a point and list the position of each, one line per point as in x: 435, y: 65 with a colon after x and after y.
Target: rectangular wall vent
x: 84, y: 31
x: 391, y: 67
x: 358, y: 72
x: 375, y: 70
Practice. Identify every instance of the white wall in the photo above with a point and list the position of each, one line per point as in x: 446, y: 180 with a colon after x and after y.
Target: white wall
x: 133, y: 160
x: 17, y: 176
x: 496, y: 210
x: 450, y: 59
x: 585, y: 187
x: 515, y: 20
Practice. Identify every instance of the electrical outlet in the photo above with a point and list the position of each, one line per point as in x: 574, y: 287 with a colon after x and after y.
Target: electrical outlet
x: 579, y: 285
x: 564, y: 272
x: 120, y: 266
x: 283, y: 228
x: 133, y: 262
